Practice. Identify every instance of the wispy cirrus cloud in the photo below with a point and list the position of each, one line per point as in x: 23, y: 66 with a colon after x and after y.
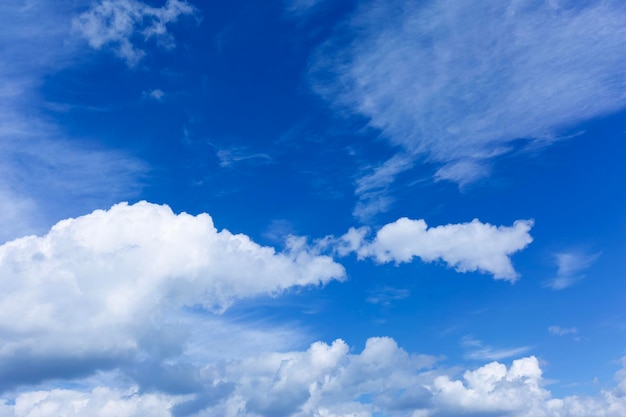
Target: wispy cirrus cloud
x: 570, y: 268
x: 373, y: 189
x: 122, y: 24
x: 477, y: 350
x: 39, y: 164
x: 233, y: 155
x: 387, y: 295
x: 461, y: 83
x: 562, y: 331
x: 298, y: 8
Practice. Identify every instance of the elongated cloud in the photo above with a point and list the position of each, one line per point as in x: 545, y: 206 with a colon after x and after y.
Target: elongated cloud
x: 297, y: 8
x: 101, y: 402
x: 97, y: 289
x: 466, y: 247
x: 329, y: 380
x: 41, y: 166
x: 120, y: 23
x: 460, y: 82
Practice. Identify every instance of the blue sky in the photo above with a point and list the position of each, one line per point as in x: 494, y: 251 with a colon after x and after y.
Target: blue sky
x: 312, y: 208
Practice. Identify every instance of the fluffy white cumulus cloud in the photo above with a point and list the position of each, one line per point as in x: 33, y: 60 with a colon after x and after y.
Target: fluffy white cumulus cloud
x: 460, y: 82
x: 473, y: 246
x: 120, y: 22
x: 328, y: 380
x: 95, y: 290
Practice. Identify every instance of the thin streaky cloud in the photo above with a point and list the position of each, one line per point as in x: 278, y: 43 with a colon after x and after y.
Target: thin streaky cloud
x: 460, y: 83
x: 230, y: 156
x: 40, y: 166
x: 300, y: 8
x: 571, y: 267
x: 387, y: 295
x: 477, y: 350
x: 372, y: 189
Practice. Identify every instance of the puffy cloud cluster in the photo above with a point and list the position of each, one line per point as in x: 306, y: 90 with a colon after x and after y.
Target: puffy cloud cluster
x: 96, y: 289
x: 473, y: 246
x: 327, y: 380
x: 118, y: 23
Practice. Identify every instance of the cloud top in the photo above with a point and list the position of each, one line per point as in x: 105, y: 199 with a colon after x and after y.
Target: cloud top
x: 123, y: 273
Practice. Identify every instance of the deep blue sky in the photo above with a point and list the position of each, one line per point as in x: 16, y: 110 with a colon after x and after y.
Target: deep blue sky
x: 418, y: 208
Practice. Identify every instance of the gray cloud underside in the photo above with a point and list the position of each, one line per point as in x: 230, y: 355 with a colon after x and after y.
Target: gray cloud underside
x: 328, y: 380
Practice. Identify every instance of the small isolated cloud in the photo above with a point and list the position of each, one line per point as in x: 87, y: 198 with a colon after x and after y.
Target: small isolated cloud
x: 466, y: 247
x: 570, y: 268
x: 298, y: 8
x: 372, y: 189
x: 562, y: 331
x: 230, y: 156
x: 155, y: 94
x: 385, y: 296
x: 97, y: 290
x: 477, y: 350
x: 459, y: 83
x: 120, y: 24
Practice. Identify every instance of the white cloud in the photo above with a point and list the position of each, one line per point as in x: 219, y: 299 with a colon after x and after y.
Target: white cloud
x: 39, y: 165
x: 155, y: 94
x: 230, y: 156
x: 562, y: 331
x: 372, y: 189
x: 97, y: 290
x: 466, y: 247
x: 460, y: 82
x: 330, y: 380
x: 298, y: 8
x: 100, y: 402
x: 385, y: 296
x: 119, y: 23
x: 477, y: 350
x: 570, y: 268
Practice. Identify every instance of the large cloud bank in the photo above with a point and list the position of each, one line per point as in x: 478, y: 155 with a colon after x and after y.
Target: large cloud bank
x: 98, y: 289
x: 327, y: 380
